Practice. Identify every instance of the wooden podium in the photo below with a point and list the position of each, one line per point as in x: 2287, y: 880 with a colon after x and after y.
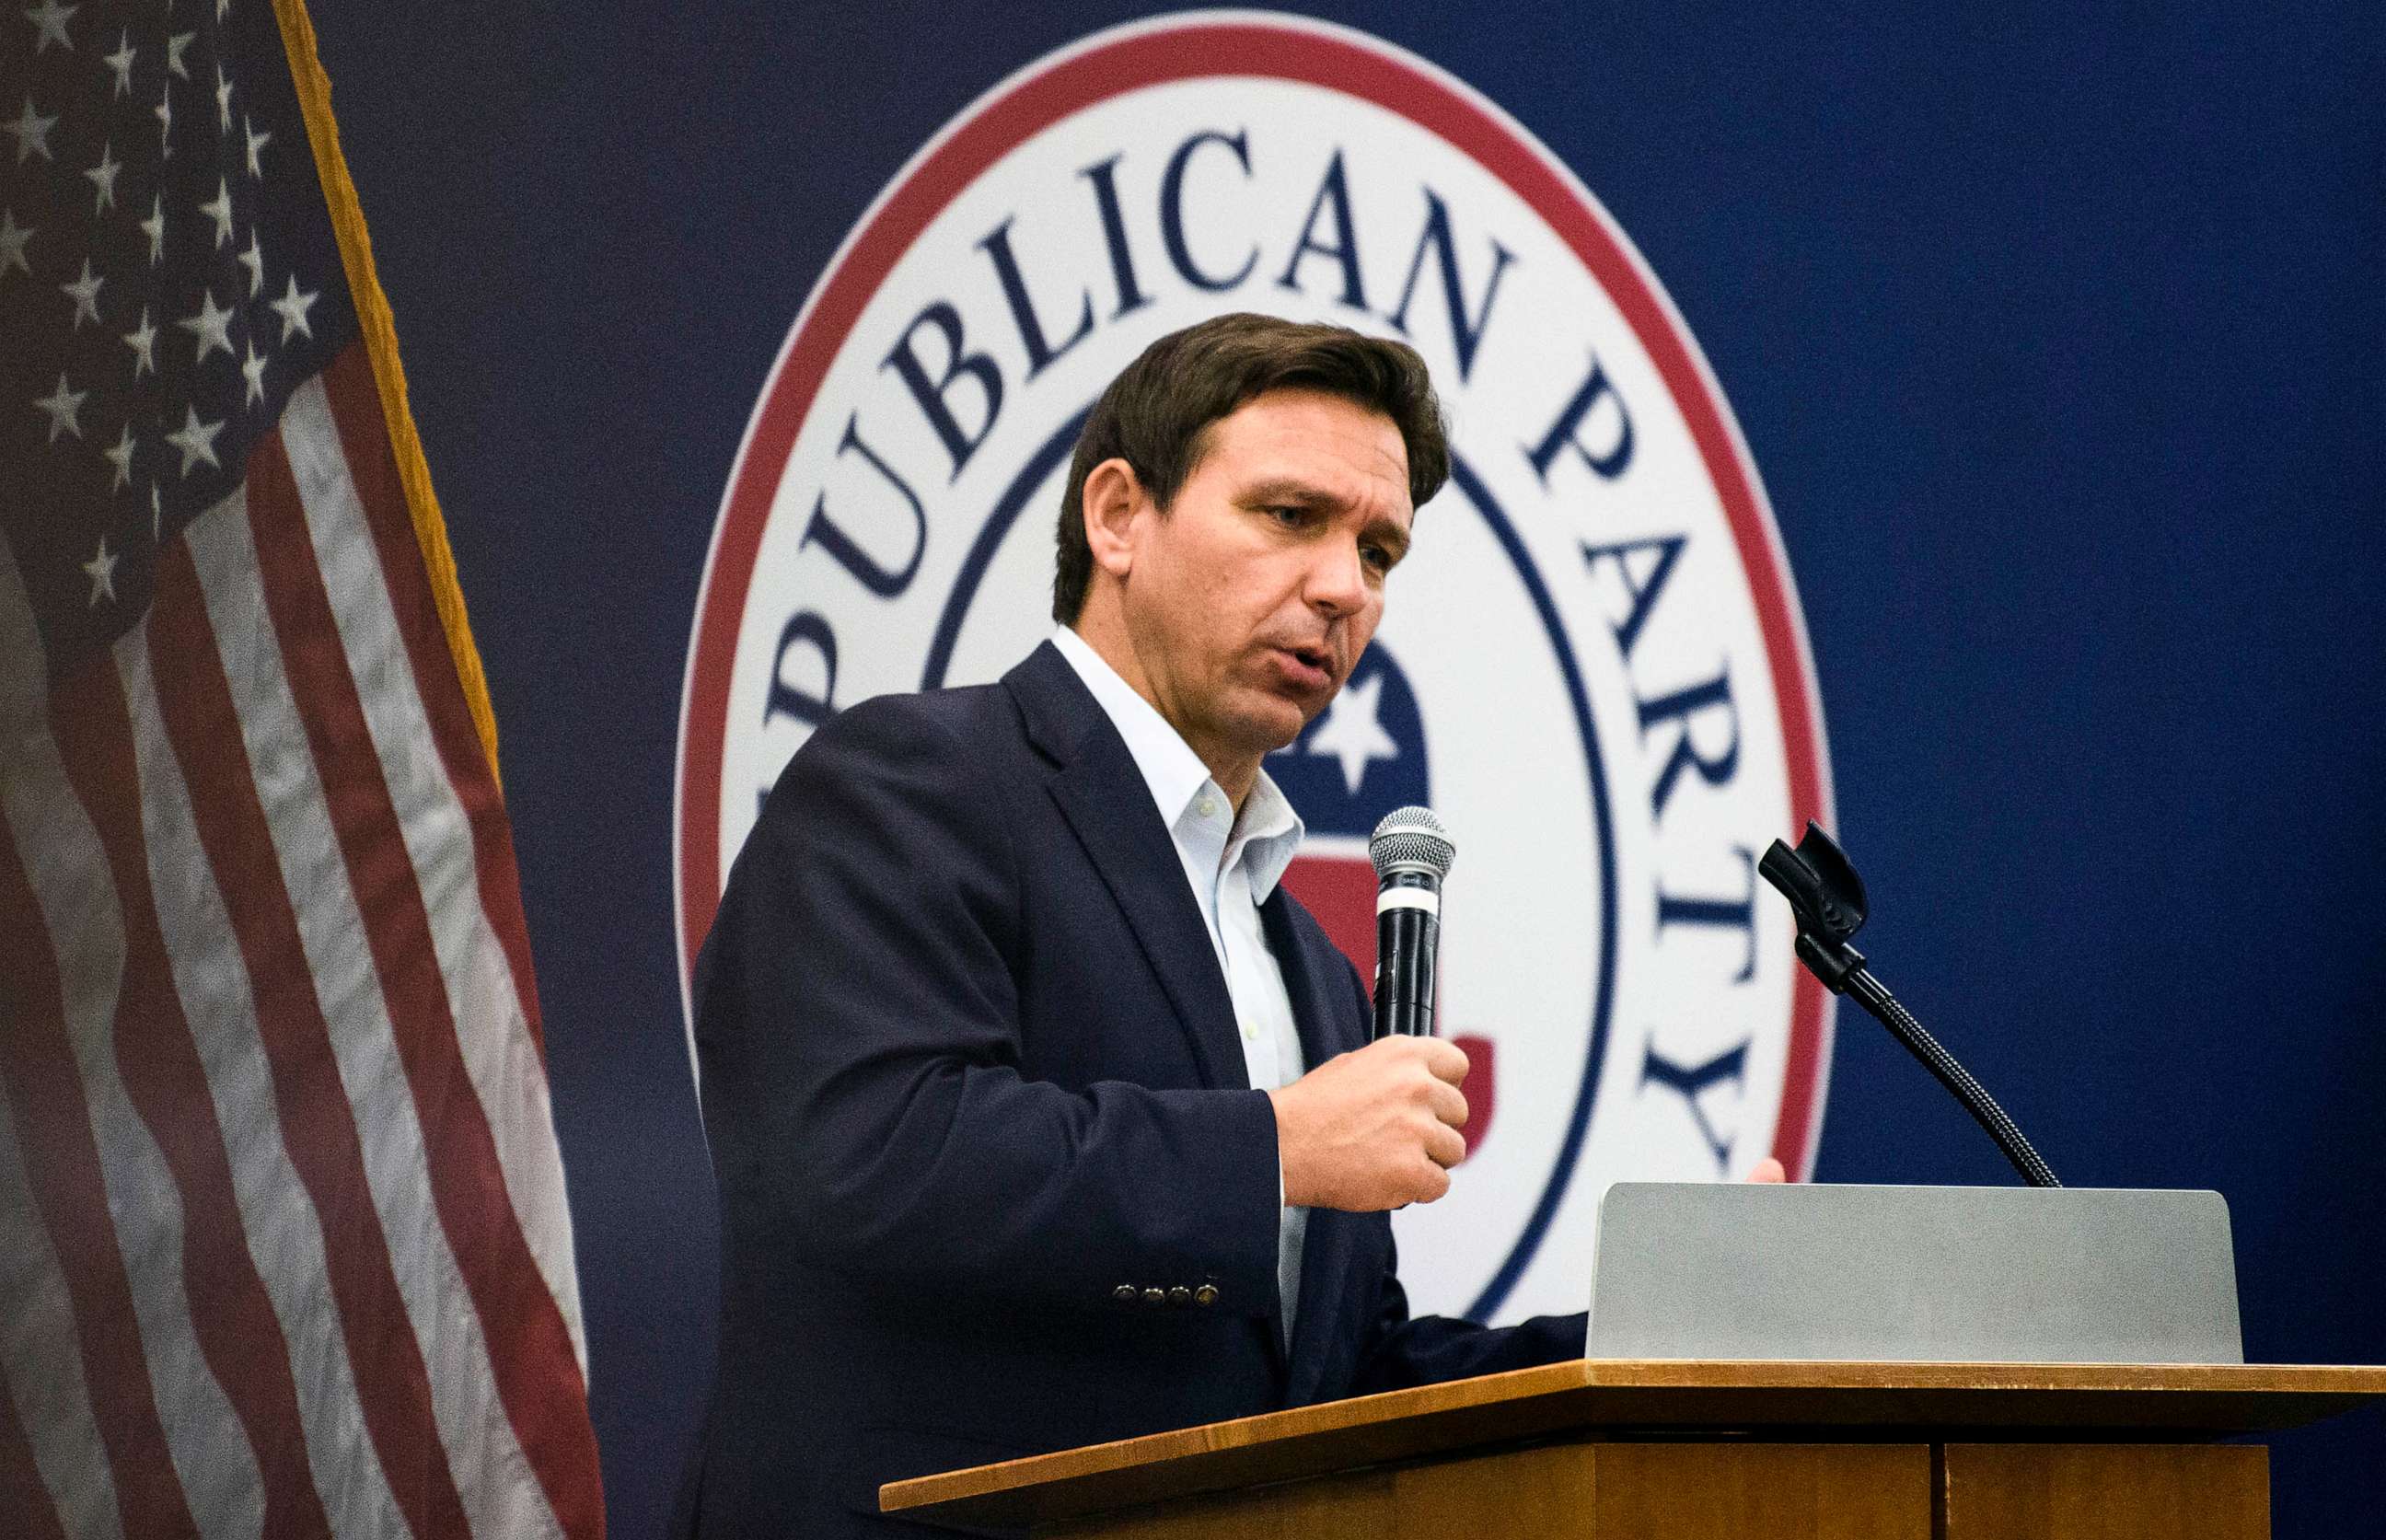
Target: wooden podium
x: 1604, y: 1449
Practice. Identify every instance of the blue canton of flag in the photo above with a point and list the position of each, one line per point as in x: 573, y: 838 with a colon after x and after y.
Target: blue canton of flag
x: 158, y: 298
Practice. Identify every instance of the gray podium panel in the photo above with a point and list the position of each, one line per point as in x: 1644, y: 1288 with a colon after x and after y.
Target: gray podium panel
x: 1939, y: 1274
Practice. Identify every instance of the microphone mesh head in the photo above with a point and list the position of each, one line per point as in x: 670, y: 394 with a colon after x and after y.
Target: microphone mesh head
x: 1411, y: 839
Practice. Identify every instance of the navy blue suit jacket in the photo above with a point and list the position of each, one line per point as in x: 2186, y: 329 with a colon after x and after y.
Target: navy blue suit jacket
x: 973, y: 1086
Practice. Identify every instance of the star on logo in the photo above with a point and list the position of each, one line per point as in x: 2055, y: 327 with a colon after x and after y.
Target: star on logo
x: 13, y: 237
x: 85, y: 292
x: 121, y: 457
x: 219, y: 210
x: 196, y: 440
x: 32, y: 133
x: 292, y: 307
x: 1351, y: 734
x: 103, y: 176
x: 101, y: 568
x: 62, y: 403
x: 254, y: 261
x: 49, y: 19
x: 122, y: 62
x: 212, y: 326
x: 144, y: 344
x: 253, y: 372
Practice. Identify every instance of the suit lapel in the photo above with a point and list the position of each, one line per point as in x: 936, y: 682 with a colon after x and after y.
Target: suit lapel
x: 1315, y: 983
x: 1101, y: 792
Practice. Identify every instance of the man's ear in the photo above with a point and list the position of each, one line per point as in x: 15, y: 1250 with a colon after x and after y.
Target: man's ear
x: 1112, y: 498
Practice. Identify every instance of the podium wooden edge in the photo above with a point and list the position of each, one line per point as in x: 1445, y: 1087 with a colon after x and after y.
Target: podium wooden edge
x: 1595, y: 1398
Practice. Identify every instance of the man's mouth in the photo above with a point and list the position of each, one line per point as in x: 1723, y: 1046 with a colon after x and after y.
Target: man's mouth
x: 1309, y: 665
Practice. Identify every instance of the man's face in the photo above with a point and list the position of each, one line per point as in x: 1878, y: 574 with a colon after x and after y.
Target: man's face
x: 1249, y: 602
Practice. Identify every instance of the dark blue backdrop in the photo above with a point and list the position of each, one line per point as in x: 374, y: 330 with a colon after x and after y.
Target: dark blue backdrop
x: 2057, y: 339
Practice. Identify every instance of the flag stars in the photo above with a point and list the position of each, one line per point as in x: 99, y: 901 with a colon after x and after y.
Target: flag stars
x: 62, y: 404
x: 223, y: 99
x: 101, y: 570
x: 103, y: 176
x: 292, y: 307
x: 157, y: 512
x: 49, y: 19
x: 219, y: 210
x: 174, y: 46
x: 196, y: 439
x: 121, y: 457
x: 256, y: 142
x: 32, y: 132
x: 155, y: 228
x: 144, y: 344
x: 253, y: 372
x: 85, y: 292
x: 165, y: 114
x: 13, y: 237
x: 122, y: 62
x: 212, y: 326
x: 254, y: 261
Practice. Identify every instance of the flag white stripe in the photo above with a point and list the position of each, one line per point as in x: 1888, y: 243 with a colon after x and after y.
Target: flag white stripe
x: 473, y: 1428
x: 44, y: 1370
x: 71, y: 880
x: 503, y: 1061
x: 37, y: 1331
x: 211, y: 979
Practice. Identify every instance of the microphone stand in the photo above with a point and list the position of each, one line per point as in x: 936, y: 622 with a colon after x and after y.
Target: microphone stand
x: 1828, y: 899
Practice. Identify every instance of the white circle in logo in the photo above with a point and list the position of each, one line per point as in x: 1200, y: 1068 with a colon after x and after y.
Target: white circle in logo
x: 1591, y: 664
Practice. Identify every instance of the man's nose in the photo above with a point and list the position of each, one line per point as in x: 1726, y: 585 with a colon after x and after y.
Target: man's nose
x: 1337, y: 578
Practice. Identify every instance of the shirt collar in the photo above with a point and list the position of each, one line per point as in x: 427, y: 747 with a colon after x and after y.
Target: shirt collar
x: 1266, y: 832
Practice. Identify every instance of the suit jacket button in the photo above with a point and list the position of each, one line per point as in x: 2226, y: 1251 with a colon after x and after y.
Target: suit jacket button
x: 1206, y: 1294
x: 1180, y: 1295
x: 1123, y: 1293
x: 1155, y: 1296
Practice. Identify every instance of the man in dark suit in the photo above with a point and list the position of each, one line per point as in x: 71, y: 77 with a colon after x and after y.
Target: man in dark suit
x: 1041, y: 1115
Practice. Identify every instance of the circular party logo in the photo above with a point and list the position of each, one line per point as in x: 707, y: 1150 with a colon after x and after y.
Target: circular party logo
x: 1591, y: 664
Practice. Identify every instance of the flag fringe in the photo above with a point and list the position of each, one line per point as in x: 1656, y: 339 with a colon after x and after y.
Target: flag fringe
x: 381, y: 344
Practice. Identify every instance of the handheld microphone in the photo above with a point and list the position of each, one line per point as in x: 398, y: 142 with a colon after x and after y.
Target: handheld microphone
x: 1411, y: 852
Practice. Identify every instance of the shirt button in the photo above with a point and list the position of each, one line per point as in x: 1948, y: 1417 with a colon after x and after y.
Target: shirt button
x: 1206, y: 1294
x: 1207, y: 806
x: 1155, y: 1296
x: 1180, y: 1295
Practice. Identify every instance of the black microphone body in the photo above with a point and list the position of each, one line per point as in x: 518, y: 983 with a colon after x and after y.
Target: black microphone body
x: 1408, y: 933
x: 1411, y: 853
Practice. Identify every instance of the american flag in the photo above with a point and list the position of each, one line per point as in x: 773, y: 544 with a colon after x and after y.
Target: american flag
x: 284, y: 1247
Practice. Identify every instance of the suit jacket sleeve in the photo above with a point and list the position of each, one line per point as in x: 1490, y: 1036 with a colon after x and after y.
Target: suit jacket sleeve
x: 1400, y: 1352
x: 859, y: 1027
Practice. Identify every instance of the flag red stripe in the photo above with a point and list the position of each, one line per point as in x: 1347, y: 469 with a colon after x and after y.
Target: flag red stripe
x: 372, y: 466
x: 238, y: 1332
x: 203, y: 725
x: 23, y: 1496
x: 54, y: 1129
x: 530, y: 1348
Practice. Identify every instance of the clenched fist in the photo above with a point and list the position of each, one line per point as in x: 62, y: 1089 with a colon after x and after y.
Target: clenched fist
x: 1373, y: 1129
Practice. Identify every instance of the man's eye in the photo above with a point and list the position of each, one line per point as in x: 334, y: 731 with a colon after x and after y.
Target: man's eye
x: 1288, y: 514
x: 1378, y: 557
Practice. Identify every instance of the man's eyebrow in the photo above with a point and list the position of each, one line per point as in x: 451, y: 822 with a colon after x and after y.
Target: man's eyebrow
x: 1277, y: 491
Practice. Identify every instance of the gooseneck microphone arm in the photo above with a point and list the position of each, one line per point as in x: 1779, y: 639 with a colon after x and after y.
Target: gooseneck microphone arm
x: 1828, y: 899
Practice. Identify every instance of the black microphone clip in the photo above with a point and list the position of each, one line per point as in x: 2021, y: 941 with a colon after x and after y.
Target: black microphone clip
x: 1828, y: 899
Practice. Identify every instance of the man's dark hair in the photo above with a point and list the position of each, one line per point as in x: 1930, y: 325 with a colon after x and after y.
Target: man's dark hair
x: 1157, y: 414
